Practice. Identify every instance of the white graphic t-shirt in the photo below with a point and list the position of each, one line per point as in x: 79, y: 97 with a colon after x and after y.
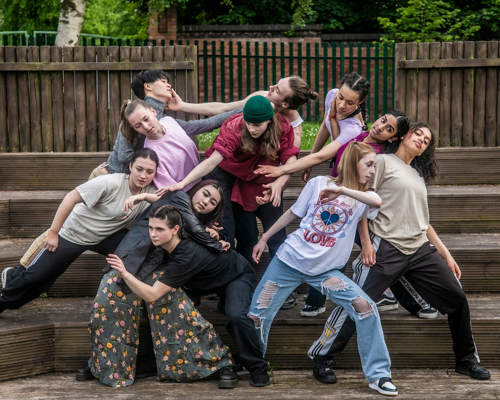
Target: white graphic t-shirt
x: 326, y: 233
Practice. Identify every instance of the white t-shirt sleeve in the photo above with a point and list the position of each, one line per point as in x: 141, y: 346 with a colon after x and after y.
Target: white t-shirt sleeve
x: 95, y: 189
x: 370, y: 212
x: 297, y: 122
x: 299, y: 208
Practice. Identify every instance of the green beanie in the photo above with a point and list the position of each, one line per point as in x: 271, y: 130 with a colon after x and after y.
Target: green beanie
x: 258, y: 109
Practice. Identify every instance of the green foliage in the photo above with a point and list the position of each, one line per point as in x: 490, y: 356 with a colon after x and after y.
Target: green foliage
x: 430, y: 20
x: 309, y: 132
x: 119, y: 18
x: 24, y: 15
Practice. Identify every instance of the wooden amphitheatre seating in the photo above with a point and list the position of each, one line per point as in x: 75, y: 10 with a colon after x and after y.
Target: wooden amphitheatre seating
x: 50, y: 334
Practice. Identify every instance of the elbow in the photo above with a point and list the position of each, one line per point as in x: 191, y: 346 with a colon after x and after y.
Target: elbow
x: 378, y: 202
x: 150, y: 297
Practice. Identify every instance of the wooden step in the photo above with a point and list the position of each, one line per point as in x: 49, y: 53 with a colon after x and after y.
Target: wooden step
x: 51, y: 335
x: 477, y: 254
x: 440, y: 384
x: 454, y: 209
x: 64, y: 171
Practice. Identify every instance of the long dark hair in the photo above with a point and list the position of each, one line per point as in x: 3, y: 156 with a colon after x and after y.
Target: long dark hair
x: 217, y: 213
x: 425, y: 164
x: 402, y: 126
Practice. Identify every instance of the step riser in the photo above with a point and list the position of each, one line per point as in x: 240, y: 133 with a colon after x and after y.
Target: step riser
x: 480, y: 272
x: 66, y: 348
x: 465, y: 213
x: 64, y: 171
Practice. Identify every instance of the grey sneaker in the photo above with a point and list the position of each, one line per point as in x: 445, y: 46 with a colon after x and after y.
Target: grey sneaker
x: 427, y: 313
x: 5, y: 275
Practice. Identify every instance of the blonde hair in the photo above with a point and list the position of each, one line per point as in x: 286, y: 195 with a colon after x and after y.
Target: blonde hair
x: 268, y: 145
x: 347, y: 169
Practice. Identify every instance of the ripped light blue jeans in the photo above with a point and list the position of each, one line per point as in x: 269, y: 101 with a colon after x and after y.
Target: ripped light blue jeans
x: 280, y: 280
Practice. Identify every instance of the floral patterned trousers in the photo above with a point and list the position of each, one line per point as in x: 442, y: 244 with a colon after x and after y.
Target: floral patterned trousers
x: 186, y: 345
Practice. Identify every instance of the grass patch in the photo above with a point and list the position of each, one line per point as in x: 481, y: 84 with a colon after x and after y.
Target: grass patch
x: 309, y: 131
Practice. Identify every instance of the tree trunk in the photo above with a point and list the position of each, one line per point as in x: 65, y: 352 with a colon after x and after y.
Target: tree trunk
x: 70, y: 22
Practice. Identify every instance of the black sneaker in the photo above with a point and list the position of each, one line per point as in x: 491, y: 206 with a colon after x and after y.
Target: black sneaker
x: 289, y: 302
x: 323, y: 369
x: 6, y: 275
x: 384, y: 386
x: 387, y: 303
x: 84, y: 374
x: 427, y: 313
x: 312, y: 311
x: 474, y: 370
x: 259, y: 377
x: 227, y: 378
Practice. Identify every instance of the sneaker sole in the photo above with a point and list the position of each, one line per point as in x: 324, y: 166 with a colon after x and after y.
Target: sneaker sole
x: 388, y: 307
x: 427, y: 316
x: 313, y: 313
x: 259, y: 384
x: 382, y: 391
x: 228, y: 384
x: 478, y: 377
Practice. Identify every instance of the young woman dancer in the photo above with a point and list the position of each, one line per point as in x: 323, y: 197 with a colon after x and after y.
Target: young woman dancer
x: 91, y: 217
x: 411, y: 249
x: 330, y: 210
x: 256, y: 136
x: 186, y: 346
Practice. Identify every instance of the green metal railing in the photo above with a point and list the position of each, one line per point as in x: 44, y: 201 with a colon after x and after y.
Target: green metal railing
x: 14, y: 38
x: 231, y: 70
x: 47, y: 38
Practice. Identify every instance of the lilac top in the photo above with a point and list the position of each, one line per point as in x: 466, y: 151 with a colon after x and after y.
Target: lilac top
x: 349, y: 127
x: 378, y: 147
x: 177, y: 153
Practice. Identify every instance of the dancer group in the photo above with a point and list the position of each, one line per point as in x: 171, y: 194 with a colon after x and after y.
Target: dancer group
x: 174, y: 229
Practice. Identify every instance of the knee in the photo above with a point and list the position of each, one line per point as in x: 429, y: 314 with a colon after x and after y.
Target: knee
x: 363, y: 307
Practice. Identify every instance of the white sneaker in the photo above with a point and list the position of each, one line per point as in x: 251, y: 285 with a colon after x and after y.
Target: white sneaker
x: 384, y: 386
x: 427, y: 313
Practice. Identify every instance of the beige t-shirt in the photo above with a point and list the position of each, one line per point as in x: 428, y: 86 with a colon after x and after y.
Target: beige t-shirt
x: 403, y: 218
x: 101, y: 213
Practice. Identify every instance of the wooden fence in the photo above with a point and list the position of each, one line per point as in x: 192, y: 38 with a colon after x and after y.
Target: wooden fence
x: 455, y: 87
x: 68, y: 99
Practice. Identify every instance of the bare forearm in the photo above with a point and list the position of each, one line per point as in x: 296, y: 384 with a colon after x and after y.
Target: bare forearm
x: 364, y: 234
x: 297, y: 136
x: 287, y: 218
x: 64, y: 209
x: 143, y: 290
x: 436, y: 241
x: 211, y: 108
x: 370, y: 198
x: 203, y: 168
x: 320, y: 139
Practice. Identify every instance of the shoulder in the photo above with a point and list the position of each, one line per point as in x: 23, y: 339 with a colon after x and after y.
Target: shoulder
x: 232, y: 127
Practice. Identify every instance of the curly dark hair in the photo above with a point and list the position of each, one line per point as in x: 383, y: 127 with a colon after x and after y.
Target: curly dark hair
x: 425, y: 164
x: 402, y: 124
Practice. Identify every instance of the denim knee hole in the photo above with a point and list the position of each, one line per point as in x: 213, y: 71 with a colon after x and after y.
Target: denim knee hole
x: 335, y: 284
x: 362, y: 307
x: 267, y: 294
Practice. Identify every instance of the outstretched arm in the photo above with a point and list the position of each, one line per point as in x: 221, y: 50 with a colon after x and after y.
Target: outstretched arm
x: 143, y: 290
x: 301, y: 164
x: 69, y: 202
x: 443, y: 251
x: 287, y: 218
x: 202, y: 169
x: 212, y: 108
x: 370, y: 198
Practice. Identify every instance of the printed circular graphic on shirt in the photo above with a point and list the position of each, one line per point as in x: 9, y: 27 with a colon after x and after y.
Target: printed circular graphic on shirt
x: 329, y: 218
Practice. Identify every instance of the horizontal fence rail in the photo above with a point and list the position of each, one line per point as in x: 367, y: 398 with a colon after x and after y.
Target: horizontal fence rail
x: 455, y: 87
x: 69, y: 99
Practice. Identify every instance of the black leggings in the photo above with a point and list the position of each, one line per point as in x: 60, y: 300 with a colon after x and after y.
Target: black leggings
x: 26, y: 284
